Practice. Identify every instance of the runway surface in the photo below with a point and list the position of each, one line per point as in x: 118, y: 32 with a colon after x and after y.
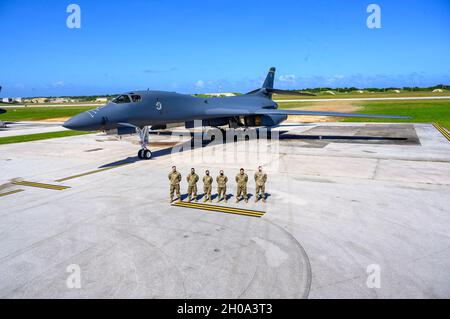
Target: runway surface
x: 345, y: 198
x: 32, y: 127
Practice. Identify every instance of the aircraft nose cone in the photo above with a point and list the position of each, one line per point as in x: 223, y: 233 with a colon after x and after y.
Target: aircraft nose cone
x: 81, y: 122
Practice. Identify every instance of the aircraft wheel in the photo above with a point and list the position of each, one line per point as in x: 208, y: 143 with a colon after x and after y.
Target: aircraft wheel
x: 141, y: 153
x: 147, y: 154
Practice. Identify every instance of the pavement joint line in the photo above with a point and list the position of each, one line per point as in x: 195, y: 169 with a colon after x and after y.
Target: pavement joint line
x: 221, y: 209
x: 442, y: 130
x: 89, y: 173
x: 41, y: 185
x: 11, y: 192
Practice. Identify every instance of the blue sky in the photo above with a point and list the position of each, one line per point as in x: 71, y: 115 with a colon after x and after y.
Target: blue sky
x: 211, y: 45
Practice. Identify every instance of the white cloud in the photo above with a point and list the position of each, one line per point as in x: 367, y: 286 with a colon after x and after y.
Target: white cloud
x: 287, y: 78
x: 200, y: 84
x: 58, y: 83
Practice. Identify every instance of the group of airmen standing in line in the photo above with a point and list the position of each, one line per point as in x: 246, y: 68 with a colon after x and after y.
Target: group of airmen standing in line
x: 221, y: 179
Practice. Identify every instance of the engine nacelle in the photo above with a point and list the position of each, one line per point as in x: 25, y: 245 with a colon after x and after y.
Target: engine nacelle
x: 211, y: 122
x: 271, y: 120
x: 264, y: 120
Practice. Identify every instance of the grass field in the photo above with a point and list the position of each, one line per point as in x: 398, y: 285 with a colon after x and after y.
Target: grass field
x: 421, y: 111
x: 42, y: 113
x: 2, y: 104
x: 40, y: 136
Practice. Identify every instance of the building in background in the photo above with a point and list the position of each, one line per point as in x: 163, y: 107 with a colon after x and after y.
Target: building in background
x: 38, y: 100
x: 12, y: 100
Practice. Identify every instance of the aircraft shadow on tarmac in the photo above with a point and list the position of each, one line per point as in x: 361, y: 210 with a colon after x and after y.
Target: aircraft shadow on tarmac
x: 283, y: 135
x: 178, y: 148
x: 339, y: 137
x: 159, y: 153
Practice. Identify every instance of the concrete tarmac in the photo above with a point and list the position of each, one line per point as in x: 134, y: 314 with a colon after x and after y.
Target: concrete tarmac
x: 355, y: 211
x: 26, y: 128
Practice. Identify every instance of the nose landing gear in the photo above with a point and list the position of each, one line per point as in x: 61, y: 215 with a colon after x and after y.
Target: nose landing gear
x: 143, y: 153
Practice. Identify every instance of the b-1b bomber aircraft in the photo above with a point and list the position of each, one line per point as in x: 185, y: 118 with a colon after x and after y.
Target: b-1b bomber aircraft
x: 137, y: 111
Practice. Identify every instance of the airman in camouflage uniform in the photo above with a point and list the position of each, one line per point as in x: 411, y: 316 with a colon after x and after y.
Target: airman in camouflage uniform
x: 222, y: 180
x: 192, y: 180
x: 260, y: 181
x: 175, y: 179
x: 207, y: 186
x: 241, y: 180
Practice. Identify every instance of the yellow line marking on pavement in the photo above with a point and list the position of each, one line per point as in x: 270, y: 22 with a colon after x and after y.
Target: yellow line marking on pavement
x: 440, y: 128
x: 11, y: 192
x: 442, y: 131
x: 89, y: 173
x: 221, y: 209
x: 225, y: 210
x: 41, y: 185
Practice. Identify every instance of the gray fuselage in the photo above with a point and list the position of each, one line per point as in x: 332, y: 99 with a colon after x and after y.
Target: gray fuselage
x: 159, y: 108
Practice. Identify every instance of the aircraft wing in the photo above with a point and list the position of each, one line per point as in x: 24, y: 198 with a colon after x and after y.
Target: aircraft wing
x: 322, y: 113
x: 2, y: 111
x: 227, y: 112
x: 222, y: 112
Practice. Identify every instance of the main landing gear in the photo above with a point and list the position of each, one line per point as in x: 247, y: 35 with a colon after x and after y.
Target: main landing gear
x: 143, y: 153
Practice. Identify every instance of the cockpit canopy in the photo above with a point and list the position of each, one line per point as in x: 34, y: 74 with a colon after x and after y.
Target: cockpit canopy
x: 125, y: 98
x: 135, y: 98
x: 121, y: 99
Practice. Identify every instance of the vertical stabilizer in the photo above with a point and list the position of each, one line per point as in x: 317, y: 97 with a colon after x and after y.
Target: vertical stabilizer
x: 268, y: 83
